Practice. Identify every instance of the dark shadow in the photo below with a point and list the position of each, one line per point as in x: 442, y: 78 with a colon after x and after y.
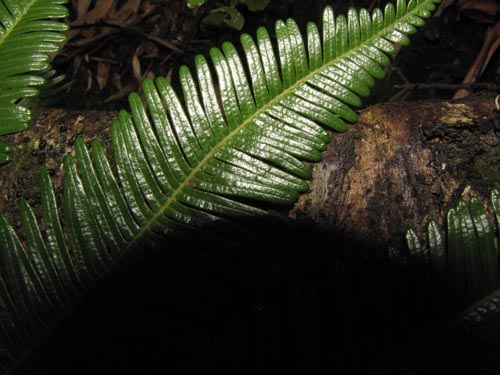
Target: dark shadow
x: 243, y: 297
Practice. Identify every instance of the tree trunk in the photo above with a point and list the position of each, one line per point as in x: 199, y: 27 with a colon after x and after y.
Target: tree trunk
x: 399, y: 166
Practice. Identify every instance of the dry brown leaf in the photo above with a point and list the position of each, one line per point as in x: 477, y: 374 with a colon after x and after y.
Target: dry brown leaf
x: 144, y: 50
x: 126, y: 14
x: 89, y: 79
x: 151, y: 75
x: 102, y: 18
x: 81, y: 7
x: 102, y: 74
x: 147, y: 50
x: 124, y: 91
x: 117, y: 81
x: 93, y: 36
x: 488, y: 7
x: 99, y: 12
x: 136, y: 67
x: 105, y: 11
x: 168, y: 77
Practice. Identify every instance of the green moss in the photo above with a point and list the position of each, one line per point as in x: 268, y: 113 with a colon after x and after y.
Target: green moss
x: 486, y: 170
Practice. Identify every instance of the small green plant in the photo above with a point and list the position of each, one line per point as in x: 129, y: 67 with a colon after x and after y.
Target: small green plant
x: 26, y: 39
x: 228, y: 15
x: 463, y: 264
x: 195, y: 3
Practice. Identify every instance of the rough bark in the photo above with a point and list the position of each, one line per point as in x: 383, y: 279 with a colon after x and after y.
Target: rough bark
x: 399, y: 166
x: 402, y: 165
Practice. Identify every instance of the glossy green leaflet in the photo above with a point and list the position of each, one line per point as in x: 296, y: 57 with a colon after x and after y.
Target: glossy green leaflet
x: 230, y: 144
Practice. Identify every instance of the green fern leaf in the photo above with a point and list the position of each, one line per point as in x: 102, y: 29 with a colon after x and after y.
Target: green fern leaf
x: 26, y: 39
x: 228, y: 146
x: 467, y: 257
x: 468, y: 341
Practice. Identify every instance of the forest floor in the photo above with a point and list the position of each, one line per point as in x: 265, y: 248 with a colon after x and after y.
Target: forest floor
x: 110, y: 52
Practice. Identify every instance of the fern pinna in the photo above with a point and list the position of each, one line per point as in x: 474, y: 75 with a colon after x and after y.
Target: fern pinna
x: 182, y: 164
x: 26, y: 39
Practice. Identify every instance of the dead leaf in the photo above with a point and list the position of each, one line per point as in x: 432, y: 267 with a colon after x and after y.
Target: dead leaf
x: 81, y: 7
x: 102, y: 74
x: 124, y: 91
x: 117, y: 81
x: 89, y: 79
x: 126, y: 14
x: 487, y: 7
x: 136, y: 67
x: 99, y: 12
x: 168, y: 77
x: 104, y: 12
x: 147, y: 50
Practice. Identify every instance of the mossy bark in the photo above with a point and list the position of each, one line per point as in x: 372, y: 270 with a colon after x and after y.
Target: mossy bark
x: 399, y: 166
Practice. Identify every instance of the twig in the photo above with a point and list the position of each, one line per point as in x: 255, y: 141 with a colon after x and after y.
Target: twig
x: 407, y: 87
x: 491, y: 43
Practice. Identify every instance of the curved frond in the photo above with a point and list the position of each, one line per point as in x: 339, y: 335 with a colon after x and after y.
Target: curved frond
x: 236, y: 140
x: 466, y: 259
x: 26, y: 39
x: 464, y: 264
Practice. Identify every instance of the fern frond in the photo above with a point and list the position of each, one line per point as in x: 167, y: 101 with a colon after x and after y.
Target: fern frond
x: 464, y: 264
x: 50, y: 92
x: 26, y: 39
x: 230, y: 145
x: 467, y: 258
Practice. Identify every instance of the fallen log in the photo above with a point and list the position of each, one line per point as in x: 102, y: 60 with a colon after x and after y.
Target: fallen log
x: 399, y: 166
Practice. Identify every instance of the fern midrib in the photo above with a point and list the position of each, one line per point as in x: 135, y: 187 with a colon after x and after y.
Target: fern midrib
x: 17, y: 21
x: 272, y: 102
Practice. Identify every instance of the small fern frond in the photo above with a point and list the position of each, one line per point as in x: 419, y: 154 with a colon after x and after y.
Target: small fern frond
x: 231, y: 145
x: 50, y: 92
x: 26, y: 39
x: 464, y: 273
x: 463, y: 264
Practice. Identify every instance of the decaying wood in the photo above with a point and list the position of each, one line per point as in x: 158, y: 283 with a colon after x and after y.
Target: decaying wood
x: 400, y: 166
